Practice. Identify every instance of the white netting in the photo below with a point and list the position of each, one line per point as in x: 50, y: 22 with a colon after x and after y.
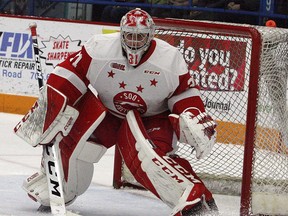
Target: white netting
x: 270, y: 170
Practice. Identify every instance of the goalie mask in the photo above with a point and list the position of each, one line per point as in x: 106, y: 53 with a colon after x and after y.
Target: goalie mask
x: 136, y: 30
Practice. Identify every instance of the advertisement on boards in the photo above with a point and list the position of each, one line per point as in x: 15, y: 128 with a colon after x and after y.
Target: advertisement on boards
x: 220, y: 67
x: 56, y: 40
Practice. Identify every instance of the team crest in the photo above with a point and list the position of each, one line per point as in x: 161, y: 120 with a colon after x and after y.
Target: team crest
x: 125, y: 101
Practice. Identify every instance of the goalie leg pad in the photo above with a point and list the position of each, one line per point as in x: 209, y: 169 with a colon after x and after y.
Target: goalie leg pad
x: 159, y: 173
x: 80, y: 179
x: 78, y: 154
x: 91, y: 114
x: 79, y: 168
x: 36, y: 188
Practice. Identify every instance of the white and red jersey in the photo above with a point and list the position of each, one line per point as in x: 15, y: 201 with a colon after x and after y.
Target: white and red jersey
x: 160, y: 82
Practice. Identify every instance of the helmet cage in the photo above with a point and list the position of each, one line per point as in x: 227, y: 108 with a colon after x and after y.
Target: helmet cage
x: 137, y: 31
x: 135, y: 41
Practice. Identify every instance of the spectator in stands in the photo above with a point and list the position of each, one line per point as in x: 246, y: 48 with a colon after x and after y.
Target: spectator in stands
x: 212, y: 3
x: 164, y: 12
x: 18, y: 7
x: 247, y: 5
x: 21, y: 7
x: 207, y: 15
x: 281, y: 7
x: 160, y: 12
x: 113, y: 14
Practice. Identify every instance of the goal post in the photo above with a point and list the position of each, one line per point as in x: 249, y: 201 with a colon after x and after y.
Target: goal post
x: 242, y: 73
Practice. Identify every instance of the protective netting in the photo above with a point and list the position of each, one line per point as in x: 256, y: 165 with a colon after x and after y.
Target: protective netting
x: 270, y: 169
x: 220, y: 60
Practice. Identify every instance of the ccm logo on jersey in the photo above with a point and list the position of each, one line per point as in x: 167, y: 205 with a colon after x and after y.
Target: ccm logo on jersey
x: 151, y: 72
x: 179, y: 170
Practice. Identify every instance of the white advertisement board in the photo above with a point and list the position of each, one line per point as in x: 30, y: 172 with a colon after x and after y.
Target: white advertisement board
x: 56, y: 39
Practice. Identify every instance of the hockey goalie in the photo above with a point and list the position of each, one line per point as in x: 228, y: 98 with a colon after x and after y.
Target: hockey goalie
x: 131, y: 90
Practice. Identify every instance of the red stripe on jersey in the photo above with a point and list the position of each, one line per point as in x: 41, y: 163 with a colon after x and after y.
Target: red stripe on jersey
x: 183, y: 104
x: 64, y: 86
x: 186, y: 81
x: 79, y: 64
x: 149, y: 52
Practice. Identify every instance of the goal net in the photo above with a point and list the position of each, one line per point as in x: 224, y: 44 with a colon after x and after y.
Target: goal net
x: 242, y: 72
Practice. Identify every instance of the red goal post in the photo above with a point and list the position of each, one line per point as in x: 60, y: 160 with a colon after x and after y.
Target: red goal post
x: 242, y: 71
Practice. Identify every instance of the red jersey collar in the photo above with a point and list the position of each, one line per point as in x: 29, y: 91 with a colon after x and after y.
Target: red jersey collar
x: 148, y: 53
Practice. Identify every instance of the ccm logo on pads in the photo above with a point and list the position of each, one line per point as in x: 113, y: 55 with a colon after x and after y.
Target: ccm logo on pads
x: 35, y: 175
x: 176, y: 172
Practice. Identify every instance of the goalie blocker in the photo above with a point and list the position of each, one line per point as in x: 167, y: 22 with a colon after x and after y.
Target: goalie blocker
x: 76, y: 152
x: 49, y: 116
x: 169, y: 178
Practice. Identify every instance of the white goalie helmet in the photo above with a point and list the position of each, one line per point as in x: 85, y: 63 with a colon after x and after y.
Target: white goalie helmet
x: 137, y: 31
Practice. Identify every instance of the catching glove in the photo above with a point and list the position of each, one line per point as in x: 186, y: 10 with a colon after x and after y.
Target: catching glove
x: 197, y: 131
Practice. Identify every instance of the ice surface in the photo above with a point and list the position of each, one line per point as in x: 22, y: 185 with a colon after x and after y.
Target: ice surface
x: 18, y: 160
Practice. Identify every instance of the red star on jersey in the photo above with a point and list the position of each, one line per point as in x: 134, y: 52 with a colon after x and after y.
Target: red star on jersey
x: 111, y: 74
x: 122, y: 85
x: 139, y: 88
x: 153, y: 82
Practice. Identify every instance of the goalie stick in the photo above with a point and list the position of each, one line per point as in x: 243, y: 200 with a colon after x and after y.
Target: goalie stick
x: 51, y: 159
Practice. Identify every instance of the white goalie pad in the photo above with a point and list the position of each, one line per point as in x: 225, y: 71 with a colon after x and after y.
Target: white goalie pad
x: 82, y: 162
x: 49, y: 115
x: 36, y: 186
x: 192, y: 132
x: 162, y: 175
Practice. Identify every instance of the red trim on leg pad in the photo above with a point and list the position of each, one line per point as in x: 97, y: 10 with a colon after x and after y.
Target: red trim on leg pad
x: 126, y: 144
x: 176, y: 185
